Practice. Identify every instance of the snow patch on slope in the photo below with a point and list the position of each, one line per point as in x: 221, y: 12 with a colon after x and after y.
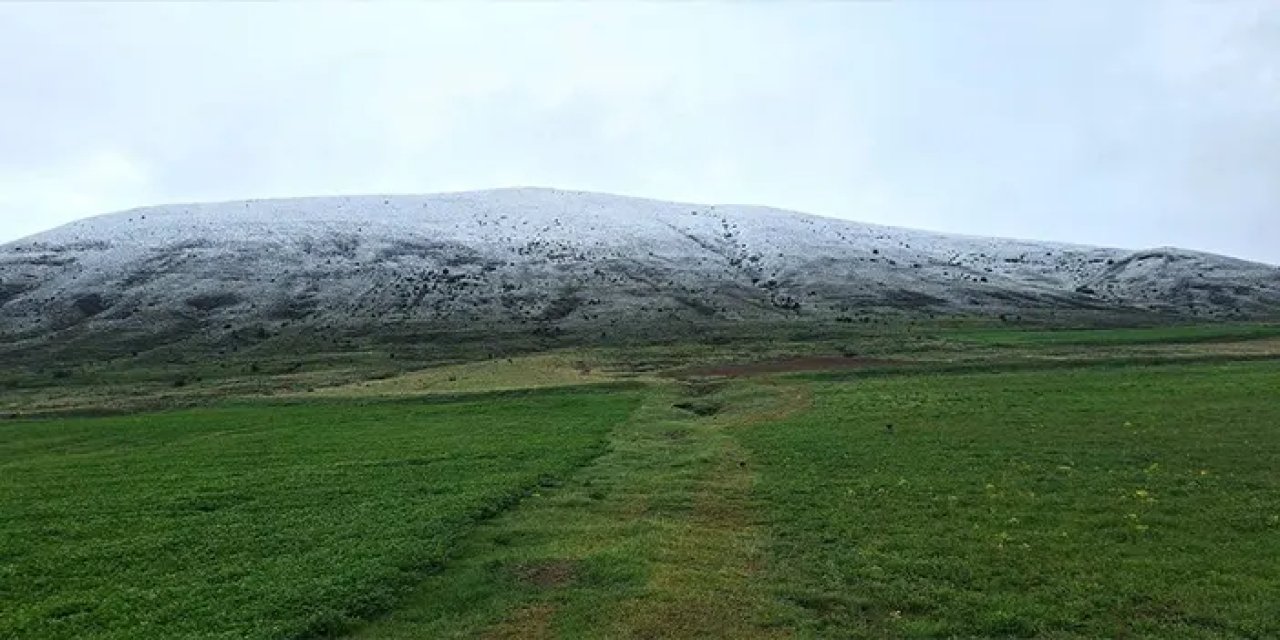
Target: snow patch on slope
x: 548, y: 260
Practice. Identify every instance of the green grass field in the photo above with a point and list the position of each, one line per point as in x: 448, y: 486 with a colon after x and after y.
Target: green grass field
x: 1186, y: 334
x: 263, y: 521
x: 1113, y: 502
x: 955, y: 491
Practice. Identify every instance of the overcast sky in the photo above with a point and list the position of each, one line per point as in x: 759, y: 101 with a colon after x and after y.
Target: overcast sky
x: 1118, y: 123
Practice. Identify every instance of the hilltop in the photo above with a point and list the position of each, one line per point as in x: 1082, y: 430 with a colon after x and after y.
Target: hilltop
x: 555, y: 265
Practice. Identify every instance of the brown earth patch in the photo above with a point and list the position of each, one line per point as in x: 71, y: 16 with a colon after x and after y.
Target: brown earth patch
x: 529, y: 623
x: 781, y: 365
x: 701, y: 408
x: 548, y: 574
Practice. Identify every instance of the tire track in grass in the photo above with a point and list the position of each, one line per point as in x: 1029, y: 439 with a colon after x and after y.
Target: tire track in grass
x: 657, y: 538
x: 706, y: 582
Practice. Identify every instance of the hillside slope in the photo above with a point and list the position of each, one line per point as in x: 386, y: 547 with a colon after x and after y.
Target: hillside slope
x: 553, y: 263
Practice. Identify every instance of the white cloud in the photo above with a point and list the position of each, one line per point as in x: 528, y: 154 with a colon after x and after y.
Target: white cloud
x: 99, y: 182
x: 1127, y: 124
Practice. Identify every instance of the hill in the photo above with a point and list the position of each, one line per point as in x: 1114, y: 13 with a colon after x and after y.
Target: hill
x: 540, y: 264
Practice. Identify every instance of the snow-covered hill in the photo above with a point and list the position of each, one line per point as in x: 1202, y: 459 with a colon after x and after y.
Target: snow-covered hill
x: 549, y: 261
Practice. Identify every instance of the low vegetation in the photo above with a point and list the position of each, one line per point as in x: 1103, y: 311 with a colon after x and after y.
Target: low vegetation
x: 933, y: 482
x: 1094, y: 502
x: 264, y: 521
x: 1177, y: 334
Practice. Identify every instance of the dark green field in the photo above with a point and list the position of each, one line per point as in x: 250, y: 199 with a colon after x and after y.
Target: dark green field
x: 942, y: 483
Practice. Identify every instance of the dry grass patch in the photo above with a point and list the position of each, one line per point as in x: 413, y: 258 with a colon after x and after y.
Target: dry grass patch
x: 500, y: 374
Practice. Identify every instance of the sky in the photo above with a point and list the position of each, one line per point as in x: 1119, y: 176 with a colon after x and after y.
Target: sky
x: 1130, y: 124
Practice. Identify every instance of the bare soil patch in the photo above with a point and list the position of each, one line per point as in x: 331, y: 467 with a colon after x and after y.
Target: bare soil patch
x: 549, y: 574
x: 530, y: 623
x: 702, y: 408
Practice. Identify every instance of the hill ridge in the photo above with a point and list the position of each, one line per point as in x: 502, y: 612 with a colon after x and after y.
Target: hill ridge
x: 563, y: 264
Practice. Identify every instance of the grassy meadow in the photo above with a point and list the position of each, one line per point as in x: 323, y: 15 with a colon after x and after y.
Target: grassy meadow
x: 263, y: 521
x: 946, y: 482
x: 1097, y: 502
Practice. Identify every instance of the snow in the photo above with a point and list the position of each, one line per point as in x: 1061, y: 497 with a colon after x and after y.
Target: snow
x: 528, y: 254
